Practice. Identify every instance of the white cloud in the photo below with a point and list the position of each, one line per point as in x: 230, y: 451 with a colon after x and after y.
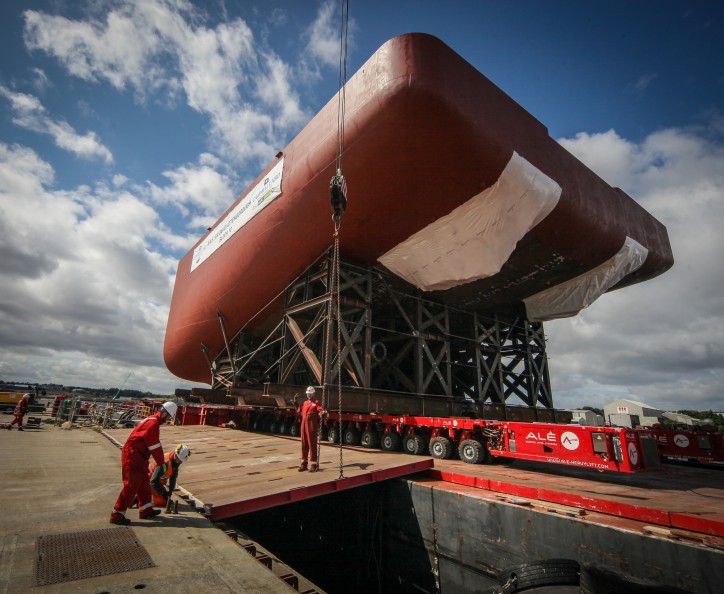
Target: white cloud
x: 324, y: 33
x: 29, y: 113
x: 195, y: 187
x: 118, y: 49
x: 154, y: 46
x: 661, y: 341
x: 82, y: 284
x: 643, y: 83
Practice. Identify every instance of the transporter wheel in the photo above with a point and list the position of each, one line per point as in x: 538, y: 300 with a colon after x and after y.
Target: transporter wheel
x: 295, y: 430
x: 390, y: 442
x: 441, y: 448
x: 323, y: 433
x: 350, y: 437
x: 274, y: 427
x: 537, y: 576
x: 414, y: 444
x: 370, y: 439
x: 472, y: 451
x: 333, y: 435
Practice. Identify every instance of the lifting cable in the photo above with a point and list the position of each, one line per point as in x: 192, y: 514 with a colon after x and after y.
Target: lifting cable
x: 338, y: 199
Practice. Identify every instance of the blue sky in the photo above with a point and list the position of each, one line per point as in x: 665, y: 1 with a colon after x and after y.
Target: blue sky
x: 127, y: 128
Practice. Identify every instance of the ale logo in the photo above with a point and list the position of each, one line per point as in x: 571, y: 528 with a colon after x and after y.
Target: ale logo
x: 570, y: 440
x: 681, y: 440
x: 633, y: 454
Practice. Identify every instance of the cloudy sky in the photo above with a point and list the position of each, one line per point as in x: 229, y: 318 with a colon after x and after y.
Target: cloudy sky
x: 127, y: 127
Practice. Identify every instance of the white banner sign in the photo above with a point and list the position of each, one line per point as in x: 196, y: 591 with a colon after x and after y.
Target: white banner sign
x: 258, y: 198
x: 622, y: 409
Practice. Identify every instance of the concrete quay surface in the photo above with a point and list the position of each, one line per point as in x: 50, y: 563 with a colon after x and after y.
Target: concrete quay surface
x: 56, y: 481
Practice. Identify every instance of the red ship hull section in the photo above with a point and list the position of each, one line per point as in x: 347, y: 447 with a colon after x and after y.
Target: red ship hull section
x: 424, y: 131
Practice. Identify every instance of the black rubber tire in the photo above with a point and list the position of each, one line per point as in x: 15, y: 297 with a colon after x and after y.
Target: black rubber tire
x: 350, y: 437
x: 295, y: 430
x: 441, y: 448
x: 414, y: 444
x: 390, y: 442
x: 370, y: 439
x: 274, y: 427
x: 549, y: 572
x: 472, y: 451
x: 323, y: 433
x: 333, y: 435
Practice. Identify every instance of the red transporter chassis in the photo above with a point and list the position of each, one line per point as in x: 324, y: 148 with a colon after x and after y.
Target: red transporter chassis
x: 475, y: 440
x: 683, y: 445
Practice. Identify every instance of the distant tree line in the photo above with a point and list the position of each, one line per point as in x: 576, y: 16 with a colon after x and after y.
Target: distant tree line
x: 103, y: 393
x: 709, y: 416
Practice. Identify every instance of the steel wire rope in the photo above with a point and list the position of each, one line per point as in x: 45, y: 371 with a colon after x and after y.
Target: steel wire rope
x: 339, y: 346
x: 334, y: 289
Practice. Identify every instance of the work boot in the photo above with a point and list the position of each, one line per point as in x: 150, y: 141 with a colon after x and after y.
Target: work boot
x: 151, y: 514
x: 314, y: 469
x: 21, y: 429
x: 119, y: 519
x: 302, y: 468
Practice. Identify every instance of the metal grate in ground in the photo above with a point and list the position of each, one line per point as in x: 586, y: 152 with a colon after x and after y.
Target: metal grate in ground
x: 80, y: 555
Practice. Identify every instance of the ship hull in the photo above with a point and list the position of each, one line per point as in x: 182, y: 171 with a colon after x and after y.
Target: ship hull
x: 430, y: 145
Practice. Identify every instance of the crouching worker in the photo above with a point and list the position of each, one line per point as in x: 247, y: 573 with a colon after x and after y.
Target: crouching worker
x: 143, y: 442
x: 167, y: 473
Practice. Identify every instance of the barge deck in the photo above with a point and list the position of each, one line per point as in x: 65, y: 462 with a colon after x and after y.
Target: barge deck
x: 236, y: 472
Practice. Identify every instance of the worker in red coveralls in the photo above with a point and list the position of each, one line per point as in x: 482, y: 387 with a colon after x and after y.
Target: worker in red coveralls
x: 143, y: 442
x: 20, y: 409
x: 311, y: 413
x: 167, y: 473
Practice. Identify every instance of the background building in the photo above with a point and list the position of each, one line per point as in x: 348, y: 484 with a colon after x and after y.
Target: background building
x: 682, y: 419
x: 631, y: 413
x: 586, y: 417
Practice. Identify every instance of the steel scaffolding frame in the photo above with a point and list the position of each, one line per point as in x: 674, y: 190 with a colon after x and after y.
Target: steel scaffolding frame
x: 392, y: 340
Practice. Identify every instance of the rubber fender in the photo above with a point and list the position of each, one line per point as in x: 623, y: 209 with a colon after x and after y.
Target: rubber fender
x: 548, y: 572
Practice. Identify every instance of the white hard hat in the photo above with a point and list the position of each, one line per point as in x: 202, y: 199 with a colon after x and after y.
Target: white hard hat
x: 311, y: 390
x: 182, y: 452
x: 170, y: 408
